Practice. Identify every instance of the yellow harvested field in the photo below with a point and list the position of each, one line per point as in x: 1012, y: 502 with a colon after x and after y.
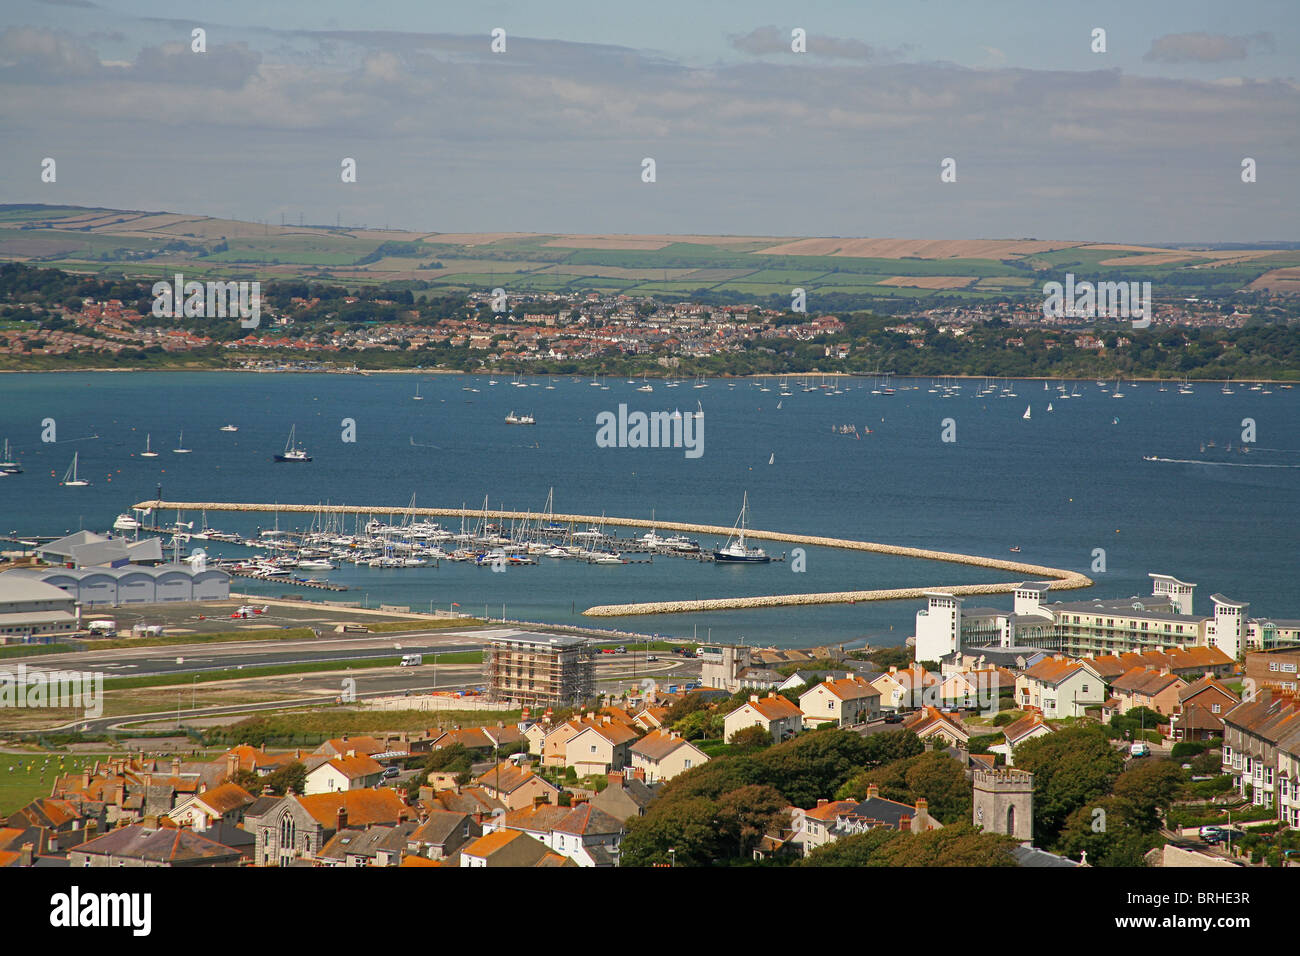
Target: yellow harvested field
x: 623, y: 242
x: 929, y: 282
x: 918, y: 248
x: 470, y: 238
x: 1223, y: 257
x: 1279, y: 280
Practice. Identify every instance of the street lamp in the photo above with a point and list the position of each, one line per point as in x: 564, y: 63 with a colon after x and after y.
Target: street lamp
x: 673, y: 856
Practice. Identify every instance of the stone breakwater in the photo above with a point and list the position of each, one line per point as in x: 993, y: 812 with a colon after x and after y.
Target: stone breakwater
x: 1060, y: 579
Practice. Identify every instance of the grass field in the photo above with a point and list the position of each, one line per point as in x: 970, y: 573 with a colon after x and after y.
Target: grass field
x: 28, y: 776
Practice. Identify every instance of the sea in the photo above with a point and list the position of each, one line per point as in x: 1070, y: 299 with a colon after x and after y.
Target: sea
x: 1114, y: 487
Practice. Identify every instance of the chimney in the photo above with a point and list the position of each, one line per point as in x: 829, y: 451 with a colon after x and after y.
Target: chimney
x: 25, y: 855
x: 872, y: 791
x: 85, y: 780
x: 753, y: 698
x: 893, y: 669
x: 921, y: 822
x: 344, y: 738
x: 176, y: 766
x: 822, y: 801
x: 232, y: 764
x: 342, y: 822
x: 615, y: 778
x: 639, y: 773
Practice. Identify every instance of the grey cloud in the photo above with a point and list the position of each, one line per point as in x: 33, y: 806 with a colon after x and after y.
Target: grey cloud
x: 770, y: 39
x: 1206, y: 47
x: 225, y: 66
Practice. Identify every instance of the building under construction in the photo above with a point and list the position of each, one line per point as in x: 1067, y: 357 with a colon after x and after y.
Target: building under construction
x: 539, y: 669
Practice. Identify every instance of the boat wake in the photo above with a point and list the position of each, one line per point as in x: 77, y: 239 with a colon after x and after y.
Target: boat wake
x: 1223, y: 464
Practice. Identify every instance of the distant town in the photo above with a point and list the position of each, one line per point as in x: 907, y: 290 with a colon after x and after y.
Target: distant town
x: 51, y: 319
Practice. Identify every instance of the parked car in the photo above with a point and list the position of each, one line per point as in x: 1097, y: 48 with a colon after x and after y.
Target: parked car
x: 1139, y: 748
x: 620, y: 650
x: 650, y: 658
x: 893, y: 718
x: 390, y: 772
x: 1212, y: 834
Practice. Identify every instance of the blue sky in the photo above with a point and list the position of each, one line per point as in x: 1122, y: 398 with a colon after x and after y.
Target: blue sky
x: 1142, y: 143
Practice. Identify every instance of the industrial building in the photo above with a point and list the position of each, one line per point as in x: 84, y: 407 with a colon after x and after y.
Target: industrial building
x: 31, y: 609
x: 132, y: 584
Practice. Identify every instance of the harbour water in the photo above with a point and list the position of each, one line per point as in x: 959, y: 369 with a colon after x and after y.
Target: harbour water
x: 1058, y: 486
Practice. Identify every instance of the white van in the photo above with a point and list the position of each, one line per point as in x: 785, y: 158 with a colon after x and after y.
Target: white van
x: 412, y: 660
x: 102, y: 627
x: 1139, y: 749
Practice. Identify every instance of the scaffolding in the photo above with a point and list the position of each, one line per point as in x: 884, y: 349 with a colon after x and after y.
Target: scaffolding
x: 541, y: 671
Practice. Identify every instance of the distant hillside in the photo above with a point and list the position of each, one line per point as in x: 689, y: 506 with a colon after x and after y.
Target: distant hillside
x: 755, y: 268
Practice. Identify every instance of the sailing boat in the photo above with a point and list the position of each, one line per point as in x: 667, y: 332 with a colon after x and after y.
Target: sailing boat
x: 699, y: 409
x: 8, y: 466
x: 1118, y: 393
x: 772, y: 459
x: 1049, y: 406
x: 292, y: 452
x: 417, y: 397
x: 1025, y: 416
x: 148, y: 452
x: 735, y: 551
x: 182, y: 450
x: 70, y: 479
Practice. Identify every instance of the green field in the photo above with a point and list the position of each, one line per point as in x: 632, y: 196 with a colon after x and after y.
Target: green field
x: 28, y: 776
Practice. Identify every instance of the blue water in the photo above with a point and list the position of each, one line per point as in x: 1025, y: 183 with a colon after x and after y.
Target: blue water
x: 1058, y: 486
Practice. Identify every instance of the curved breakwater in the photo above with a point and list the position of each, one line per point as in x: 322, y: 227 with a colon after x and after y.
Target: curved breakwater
x: 1060, y: 579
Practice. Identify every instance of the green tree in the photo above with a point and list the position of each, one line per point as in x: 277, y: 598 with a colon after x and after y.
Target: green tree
x: 1072, y: 768
x: 289, y: 777
x: 1147, y: 789
x: 751, y: 738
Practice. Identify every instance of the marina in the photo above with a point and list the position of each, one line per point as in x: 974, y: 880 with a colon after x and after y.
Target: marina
x: 767, y: 453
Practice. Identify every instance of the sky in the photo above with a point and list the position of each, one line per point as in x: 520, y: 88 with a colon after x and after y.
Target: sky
x: 1141, y: 143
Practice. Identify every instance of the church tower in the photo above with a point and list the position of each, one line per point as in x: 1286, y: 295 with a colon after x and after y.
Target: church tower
x: 1004, y: 803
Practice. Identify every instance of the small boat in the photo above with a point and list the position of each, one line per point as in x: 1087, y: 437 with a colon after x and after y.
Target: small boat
x: 417, y: 397
x: 1049, y: 406
x: 292, y: 451
x: 148, y: 452
x: 1015, y: 550
x: 1114, y: 421
x: 182, y: 450
x: 513, y: 419
x: 229, y: 428
x: 70, y: 479
x: 8, y: 466
x: 1149, y: 458
x: 772, y: 459
x: 126, y: 522
x: 1025, y: 416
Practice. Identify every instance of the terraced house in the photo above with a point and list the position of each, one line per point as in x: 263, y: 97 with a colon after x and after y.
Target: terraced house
x: 1260, y: 742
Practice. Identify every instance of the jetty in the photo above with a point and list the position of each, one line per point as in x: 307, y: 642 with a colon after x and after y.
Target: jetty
x: 1059, y: 579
